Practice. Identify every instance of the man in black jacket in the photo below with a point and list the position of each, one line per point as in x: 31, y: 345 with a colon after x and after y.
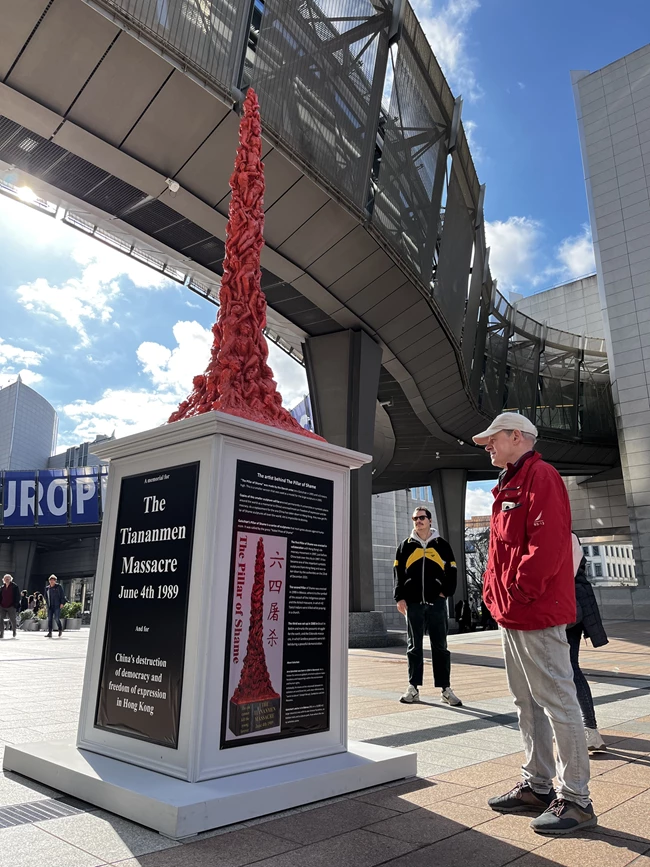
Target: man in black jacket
x: 424, y: 576
x: 9, y: 604
x: 55, y: 600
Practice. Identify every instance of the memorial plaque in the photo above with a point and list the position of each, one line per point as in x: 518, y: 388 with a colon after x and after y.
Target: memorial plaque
x: 277, y: 679
x: 144, y: 645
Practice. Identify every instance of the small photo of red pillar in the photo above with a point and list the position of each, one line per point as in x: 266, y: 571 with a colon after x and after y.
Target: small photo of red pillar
x: 255, y: 705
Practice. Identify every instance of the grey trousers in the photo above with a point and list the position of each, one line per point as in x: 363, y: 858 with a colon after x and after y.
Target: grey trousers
x: 540, y: 678
x: 11, y: 614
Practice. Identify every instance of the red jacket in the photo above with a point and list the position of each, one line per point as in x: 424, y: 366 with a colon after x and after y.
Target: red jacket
x: 529, y: 582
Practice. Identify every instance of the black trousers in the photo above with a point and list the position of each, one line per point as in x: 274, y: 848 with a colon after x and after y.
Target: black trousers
x: 433, y: 618
x: 585, y: 699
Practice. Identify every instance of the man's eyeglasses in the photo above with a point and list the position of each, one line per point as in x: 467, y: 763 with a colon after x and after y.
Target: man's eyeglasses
x: 420, y: 518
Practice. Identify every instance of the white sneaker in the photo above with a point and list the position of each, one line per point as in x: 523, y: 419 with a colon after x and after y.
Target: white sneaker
x: 410, y: 695
x: 449, y: 697
x: 595, y: 743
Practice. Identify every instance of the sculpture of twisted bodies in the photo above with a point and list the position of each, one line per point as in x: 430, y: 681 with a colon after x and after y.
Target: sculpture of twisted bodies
x: 238, y: 379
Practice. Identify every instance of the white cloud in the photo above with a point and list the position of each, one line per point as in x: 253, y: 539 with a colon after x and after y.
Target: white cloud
x: 172, y: 370
x: 170, y: 373
x: 514, y: 247
x: 478, y: 501
x: 29, y: 377
x: 446, y: 29
x: 12, y: 355
x: 476, y: 150
x: 289, y: 375
x: 576, y: 254
x: 88, y: 297
x: 124, y: 410
x: 518, y: 259
x: 11, y: 358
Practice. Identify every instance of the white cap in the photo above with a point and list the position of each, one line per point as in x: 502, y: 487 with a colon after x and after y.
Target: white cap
x: 506, y: 421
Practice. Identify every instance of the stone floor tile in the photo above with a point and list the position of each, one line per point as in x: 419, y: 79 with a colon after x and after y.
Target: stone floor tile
x: 468, y: 849
x: 106, y: 836
x: 631, y: 748
x: 631, y: 819
x: 15, y: 789
x: 631, y: 774
x: 426, y: 825
x: 514, y: 760
x: 414, y: 794
x: 588, y: 850
x: 479, y: 797
x: 28, y: 846
x: 311, y: 826
x: 469, y: 817
x: 601, y: 763
x: 355, y: 849
x: 234, y: 849
x: 514, y: 827
x: 606, y: 796
x: 478, y: 775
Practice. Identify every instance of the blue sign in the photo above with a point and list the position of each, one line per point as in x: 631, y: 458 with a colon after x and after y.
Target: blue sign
x: 53, y: 498
x: 18, y: 498
x: 84, y: 501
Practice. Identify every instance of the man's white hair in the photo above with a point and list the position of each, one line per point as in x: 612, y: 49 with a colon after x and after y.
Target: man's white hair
x: 528, y: 436
x: 7, y: 575
x: 53, y: 576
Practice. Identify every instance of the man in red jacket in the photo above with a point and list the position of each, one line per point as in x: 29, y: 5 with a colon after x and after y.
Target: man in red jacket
x: 529, y: 590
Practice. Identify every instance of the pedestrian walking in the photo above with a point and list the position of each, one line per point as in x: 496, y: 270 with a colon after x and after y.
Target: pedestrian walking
x: 55, y: 599
x: 530, y: 590
x: 9, y: 604
x: 424, y: 576
x: 24, y: 603
x: 588, y: 623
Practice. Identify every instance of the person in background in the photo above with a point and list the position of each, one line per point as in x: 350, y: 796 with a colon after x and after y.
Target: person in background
x: 55, y: 598
x: 9, y: 604
x: 588, y: 623
x: 424, y: 576
x: 24, y: 603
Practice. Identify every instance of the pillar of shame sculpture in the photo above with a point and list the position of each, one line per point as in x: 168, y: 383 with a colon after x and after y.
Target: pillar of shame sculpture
x: 215, y: 687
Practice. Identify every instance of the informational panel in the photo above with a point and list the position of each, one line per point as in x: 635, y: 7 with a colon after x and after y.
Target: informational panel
x: 141, y: 678
x: 277, y: 678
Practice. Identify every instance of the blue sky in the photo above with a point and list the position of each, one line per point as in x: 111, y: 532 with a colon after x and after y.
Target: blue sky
x: 113, y: 345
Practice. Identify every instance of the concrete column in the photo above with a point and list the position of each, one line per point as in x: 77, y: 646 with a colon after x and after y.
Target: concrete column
x: 343, y: 373
x: 24, y: 553
x: 449, y: 488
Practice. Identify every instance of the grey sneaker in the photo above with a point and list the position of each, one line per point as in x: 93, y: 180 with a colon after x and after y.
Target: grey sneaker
x: 564, y: 817
x: 410, y: 695
x: 595, y: 742
x: 449, y: 697
x: 521, y: 799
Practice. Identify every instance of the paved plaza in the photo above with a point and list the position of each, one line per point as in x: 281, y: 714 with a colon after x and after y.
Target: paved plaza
x: 465, y: 755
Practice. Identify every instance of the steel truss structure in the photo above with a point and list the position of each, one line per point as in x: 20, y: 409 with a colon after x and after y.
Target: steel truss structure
x: 351, y: 91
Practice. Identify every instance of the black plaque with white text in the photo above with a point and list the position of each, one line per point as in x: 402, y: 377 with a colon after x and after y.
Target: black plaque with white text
x: 141, y: 677
x: 277, y: 677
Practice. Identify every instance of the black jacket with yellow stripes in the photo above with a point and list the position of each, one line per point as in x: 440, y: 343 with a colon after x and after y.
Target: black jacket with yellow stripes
x: 420, y: 573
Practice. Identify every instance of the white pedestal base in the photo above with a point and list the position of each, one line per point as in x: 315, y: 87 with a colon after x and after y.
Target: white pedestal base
x: 180, y: 809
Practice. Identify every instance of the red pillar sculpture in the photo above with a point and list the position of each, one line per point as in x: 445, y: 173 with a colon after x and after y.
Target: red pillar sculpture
x: 255, y: 705
x: 238, y: 379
